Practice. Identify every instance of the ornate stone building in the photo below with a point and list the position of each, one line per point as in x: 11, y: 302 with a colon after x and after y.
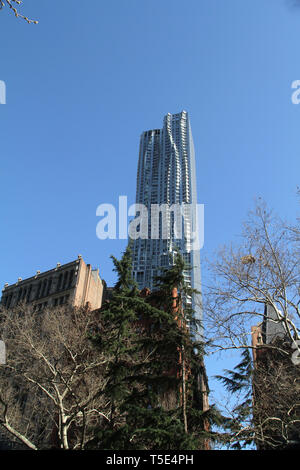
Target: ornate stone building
x: 75, y: 283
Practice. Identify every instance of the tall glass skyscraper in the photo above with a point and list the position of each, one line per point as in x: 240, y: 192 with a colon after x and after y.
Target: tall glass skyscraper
x: 166, y: 189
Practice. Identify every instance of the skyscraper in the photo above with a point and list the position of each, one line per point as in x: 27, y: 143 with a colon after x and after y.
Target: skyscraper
x: 166, y: 188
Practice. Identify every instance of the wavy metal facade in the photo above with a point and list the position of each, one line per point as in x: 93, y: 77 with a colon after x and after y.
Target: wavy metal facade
x: 166, y: 177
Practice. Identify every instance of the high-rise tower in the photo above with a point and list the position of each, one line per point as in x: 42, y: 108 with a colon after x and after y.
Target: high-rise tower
x: 166, y: 187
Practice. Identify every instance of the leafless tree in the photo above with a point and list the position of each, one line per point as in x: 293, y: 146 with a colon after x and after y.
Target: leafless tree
x: 276, y: 399
x: 50, y: 386
x: 251, y: 302
x: 262, y: 270
x: 264, y: 409
x: 13, y: 5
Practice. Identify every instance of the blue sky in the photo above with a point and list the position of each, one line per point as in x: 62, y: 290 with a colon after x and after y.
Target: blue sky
x: 91, y: 76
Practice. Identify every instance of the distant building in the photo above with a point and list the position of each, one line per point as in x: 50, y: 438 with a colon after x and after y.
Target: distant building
x: 269, y: 330
x: 275, y: 385
x: 74, y: 283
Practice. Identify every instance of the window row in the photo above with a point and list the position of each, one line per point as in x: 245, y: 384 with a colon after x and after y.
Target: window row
x: 44, y: 289
x: 58, y: 301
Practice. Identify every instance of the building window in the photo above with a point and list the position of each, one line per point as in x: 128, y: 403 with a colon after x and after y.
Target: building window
x: 9, y: 300
x: 24, y: 294
x: 49, y: 287
x: 20, y: 294
x: 43, y: 292
x: 29, y: 293
x: 59, y: 282
x: 38, y: 292
x: 65, y: 280
x: 71, y: 278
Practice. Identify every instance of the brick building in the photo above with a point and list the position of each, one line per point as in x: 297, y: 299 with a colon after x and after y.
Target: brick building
x: 275, y: 386
x: 75, y: 283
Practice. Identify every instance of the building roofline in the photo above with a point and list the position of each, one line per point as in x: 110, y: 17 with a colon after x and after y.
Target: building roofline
x: 43, y: 274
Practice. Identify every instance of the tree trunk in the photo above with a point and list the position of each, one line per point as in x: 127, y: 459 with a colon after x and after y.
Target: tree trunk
x: 184, y: 392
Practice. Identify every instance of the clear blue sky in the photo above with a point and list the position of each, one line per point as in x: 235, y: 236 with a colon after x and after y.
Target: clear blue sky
x: 91, y: 76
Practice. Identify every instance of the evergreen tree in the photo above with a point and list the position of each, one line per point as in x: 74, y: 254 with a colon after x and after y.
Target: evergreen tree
x: 265, y: 413
x: 117, y: 340
x: 238, y: 382
x: 155, y: 402
x: 198, y: 417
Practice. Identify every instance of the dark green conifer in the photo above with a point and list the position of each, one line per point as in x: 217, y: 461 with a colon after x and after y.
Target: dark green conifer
x: 155, y: 402
x: 239, y: 431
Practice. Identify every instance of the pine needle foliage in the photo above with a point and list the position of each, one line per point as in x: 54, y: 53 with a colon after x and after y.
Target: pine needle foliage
x: 150, y: 381
x: 238, y: 382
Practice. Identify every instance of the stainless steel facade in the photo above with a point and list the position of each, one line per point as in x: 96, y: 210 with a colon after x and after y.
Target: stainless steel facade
x: 166, y: 177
